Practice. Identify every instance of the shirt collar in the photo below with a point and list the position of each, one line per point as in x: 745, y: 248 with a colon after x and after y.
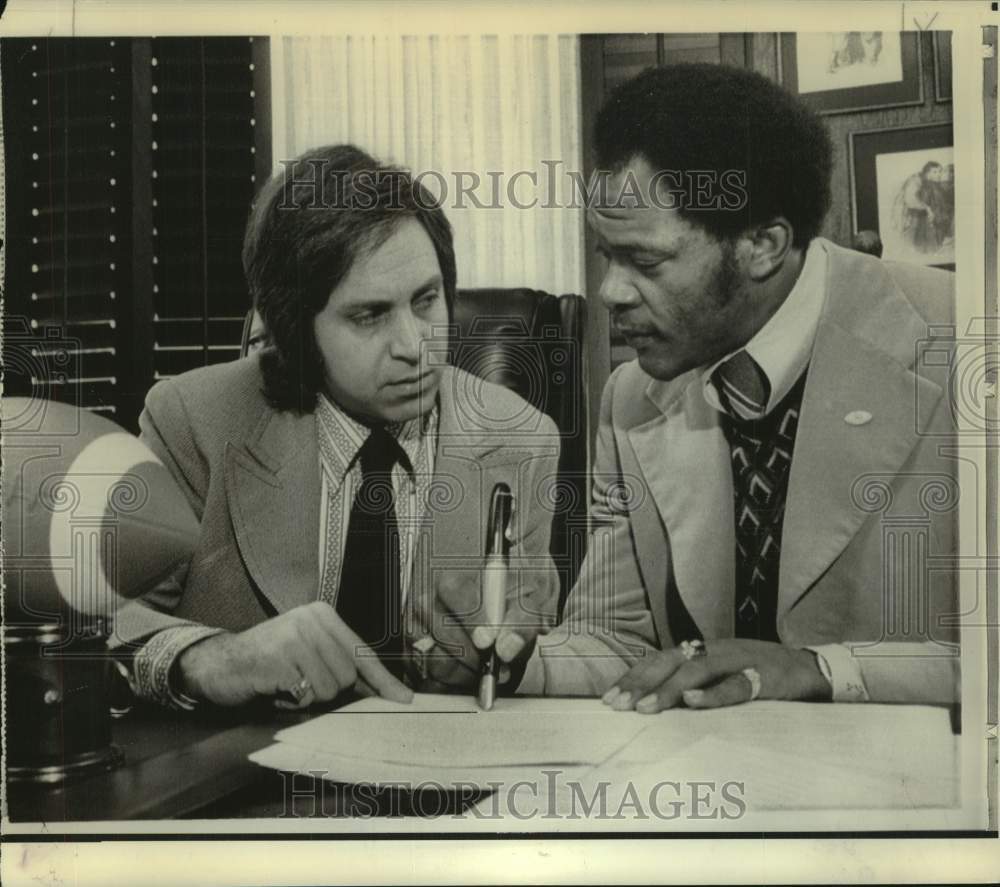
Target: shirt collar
x: 341, y: 437
x: 782, y: 346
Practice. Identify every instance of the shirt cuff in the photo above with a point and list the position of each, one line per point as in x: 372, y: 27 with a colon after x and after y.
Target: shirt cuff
x: 841, y: 669
x: 152, y: 667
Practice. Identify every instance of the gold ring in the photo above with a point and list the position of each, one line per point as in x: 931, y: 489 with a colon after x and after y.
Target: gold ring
x: 693, y: 649
x: 753, y: 676
x: 300, y: 689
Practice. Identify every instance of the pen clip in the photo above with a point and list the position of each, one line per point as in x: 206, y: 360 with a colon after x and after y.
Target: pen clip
x: 501, y: 507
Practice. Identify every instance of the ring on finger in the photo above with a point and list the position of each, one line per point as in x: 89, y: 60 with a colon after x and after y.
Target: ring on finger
x: 693, y: 649
x: 300, y: 689
x: 753, y: 676
x: 421, y: 648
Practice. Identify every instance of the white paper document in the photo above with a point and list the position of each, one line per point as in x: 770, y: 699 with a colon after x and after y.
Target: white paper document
x: 787, y: 756
x: 773, y: 757
x: 448, y: 739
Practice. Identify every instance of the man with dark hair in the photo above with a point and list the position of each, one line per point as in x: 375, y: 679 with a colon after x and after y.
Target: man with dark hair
x: 342, y: 473
x: 765, y: 469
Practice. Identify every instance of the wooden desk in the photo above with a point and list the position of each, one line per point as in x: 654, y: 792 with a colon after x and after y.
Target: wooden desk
x: 185, y: 766
x: 173, y: 765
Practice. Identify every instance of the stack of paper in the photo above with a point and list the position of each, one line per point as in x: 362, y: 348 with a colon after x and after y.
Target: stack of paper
x: 710, y: 768
x: 563, y: 753
x: 449, y: 740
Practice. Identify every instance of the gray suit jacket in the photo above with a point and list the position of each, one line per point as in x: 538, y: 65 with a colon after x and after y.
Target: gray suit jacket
x: 871, y: 513
x: 252, y: 475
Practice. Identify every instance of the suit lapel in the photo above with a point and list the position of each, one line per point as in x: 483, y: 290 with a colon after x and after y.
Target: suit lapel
x: 850, y: 375
x: 273, y: 485
x: 684, y: 458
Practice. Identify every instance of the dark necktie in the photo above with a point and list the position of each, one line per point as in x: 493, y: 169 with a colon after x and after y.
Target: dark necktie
x: 369, y: 599
x: 742, y: 386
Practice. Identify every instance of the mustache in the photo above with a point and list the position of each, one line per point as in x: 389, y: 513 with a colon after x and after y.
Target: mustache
x: 625, y: 327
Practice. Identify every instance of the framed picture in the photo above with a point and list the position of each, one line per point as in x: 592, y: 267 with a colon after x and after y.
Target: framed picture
x: 835, y: 72
x: 942, y: 66
x: 903, y: 188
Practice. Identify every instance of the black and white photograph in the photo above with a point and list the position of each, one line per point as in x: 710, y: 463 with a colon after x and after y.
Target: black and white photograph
x: 921, y: 217
x: 904, y: 191
x: 428, y: 440
x: 841, y: 71
x: 843, y: 59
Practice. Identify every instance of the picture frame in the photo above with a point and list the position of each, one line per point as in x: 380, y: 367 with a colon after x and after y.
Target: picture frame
x: 942, y: 66
x: 840, y: 72
x: 902, y: 188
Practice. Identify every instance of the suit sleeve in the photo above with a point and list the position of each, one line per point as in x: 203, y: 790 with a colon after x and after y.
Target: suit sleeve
x: 539, y: 594
x: 607, y: 625
x: 145, y: 632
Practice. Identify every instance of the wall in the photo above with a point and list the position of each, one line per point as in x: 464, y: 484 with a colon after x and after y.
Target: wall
x: 838, y: 227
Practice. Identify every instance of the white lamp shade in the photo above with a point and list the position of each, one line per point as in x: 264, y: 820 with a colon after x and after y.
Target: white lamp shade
x: 90, y: 515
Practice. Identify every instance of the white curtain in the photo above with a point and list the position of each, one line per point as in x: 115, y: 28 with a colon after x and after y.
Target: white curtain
x: 451, y: 108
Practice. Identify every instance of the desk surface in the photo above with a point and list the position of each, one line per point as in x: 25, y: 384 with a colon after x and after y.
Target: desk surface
x: 173, y: 766
x: 178, y: 766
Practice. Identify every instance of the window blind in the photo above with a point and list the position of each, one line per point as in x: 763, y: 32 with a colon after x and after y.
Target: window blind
x: 68, y: 233
x: 203, y: 178
x: 131, y: 165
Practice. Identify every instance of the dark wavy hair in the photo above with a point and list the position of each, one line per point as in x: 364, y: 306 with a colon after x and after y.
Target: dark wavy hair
x: 704, y: 117
x: 308, y: 226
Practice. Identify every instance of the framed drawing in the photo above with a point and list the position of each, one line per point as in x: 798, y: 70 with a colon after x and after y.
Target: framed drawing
x: 942, y: 66
x: 835, y: 72
x: 903, y: 187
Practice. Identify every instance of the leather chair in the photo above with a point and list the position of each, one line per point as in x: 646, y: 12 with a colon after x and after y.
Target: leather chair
x: 531, y: 342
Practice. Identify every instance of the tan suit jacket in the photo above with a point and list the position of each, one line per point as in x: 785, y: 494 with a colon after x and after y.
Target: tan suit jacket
x: 870, y: 518
x: 252, y: 474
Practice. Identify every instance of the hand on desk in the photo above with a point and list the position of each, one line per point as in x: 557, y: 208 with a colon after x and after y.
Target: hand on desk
x: 460, y: 631
x: 665, y: 679
x: 309, y: 648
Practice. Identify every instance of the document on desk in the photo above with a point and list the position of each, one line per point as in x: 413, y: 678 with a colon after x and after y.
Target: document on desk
x: 786, y: 755
x: 449, y: 739
x: 806, y: 756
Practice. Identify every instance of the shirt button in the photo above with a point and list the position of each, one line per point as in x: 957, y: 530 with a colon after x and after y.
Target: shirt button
x: 858, y: 417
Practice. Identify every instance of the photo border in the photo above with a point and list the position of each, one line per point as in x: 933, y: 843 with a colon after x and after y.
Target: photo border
x: 765, y: 858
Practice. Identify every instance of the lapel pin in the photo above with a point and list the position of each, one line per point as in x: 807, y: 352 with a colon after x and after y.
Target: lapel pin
x: 858, y: 417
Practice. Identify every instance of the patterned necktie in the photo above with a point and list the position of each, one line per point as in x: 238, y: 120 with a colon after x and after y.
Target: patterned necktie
x: 369, y: 599
x: 742, y: 386
x: 761, y: 451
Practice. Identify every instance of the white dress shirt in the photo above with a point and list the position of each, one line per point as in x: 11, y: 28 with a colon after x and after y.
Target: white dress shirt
x: 340, y: 440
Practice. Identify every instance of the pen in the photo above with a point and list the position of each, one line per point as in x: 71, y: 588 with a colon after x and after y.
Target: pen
x: 494, y: 587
